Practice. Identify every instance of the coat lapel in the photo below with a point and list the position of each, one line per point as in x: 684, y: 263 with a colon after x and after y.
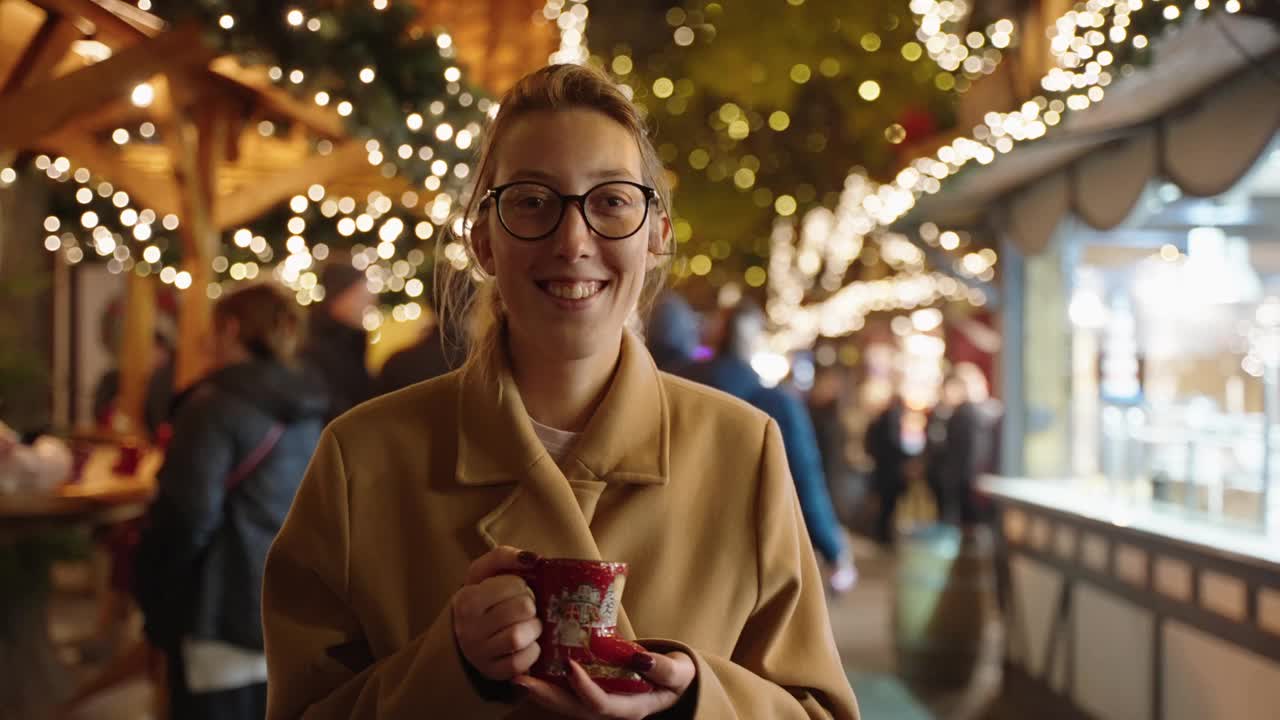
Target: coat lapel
x: 626, y: 441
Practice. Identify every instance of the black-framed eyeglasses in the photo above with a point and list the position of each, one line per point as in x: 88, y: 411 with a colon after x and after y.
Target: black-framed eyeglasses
x: 613, y: 210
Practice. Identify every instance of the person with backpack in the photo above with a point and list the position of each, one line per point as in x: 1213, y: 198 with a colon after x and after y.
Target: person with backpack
x: 242, y: 439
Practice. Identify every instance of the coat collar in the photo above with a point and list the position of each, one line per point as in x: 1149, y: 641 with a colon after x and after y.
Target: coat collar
x: 626, y: 441
x: 549, y: 511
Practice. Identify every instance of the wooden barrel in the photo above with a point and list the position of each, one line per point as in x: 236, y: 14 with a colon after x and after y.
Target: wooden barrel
x: 944, y: 604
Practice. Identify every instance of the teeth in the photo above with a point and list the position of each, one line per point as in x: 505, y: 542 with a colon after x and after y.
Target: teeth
x: 574, y: 290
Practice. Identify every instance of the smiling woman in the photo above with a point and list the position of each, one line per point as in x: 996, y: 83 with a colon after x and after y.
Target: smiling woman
x: 559, y: 438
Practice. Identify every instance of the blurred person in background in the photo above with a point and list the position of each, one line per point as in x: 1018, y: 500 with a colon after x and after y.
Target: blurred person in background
x: 336, y: 339
x: 159, y: 395
x: 730, y: 371
x: 440, y: 350
x: 883, y: 444
x: 954, y: 393
x: 970, y: 447
x: 828, y: 408
x: 243, y: 436
x: 673, y: 333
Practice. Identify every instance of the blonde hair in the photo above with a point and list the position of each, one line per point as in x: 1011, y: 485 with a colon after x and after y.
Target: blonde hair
x: 553, y: 88
x: 268, y: 320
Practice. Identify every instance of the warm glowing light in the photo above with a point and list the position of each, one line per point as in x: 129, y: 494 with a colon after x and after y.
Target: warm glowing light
x: 143, y: 95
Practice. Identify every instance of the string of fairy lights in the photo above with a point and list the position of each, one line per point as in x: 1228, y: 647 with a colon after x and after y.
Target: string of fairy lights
x: 570, y: 16
x: 720, y: 158
x: 123, y: 234
x: 1085, y: 45
x: 977, y: 53
x: 807, y: 252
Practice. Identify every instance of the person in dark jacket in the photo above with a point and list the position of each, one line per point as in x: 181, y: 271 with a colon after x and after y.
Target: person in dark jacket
x: 883, y: 443
x: 935, y: 448
x: 336, y: 338
x: 827, y: 407
x: 730, y: 371
x: 242, y: 439
x: 673, y: 332
x: 159, y: 397
x: 970, y: 444
x: 441, y: 349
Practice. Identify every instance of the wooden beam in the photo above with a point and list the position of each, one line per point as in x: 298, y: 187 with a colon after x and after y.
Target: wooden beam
x: 117, y: 113
x: 107, y: 25
x: 46, y: 49
x: 322, y: 120
x: 51, y: 43
x: 145, y: 191
x: 254, y: 199
x: 33, y: 112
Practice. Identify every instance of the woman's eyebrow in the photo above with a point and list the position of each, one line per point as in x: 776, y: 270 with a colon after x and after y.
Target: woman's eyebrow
x: 603, y: 174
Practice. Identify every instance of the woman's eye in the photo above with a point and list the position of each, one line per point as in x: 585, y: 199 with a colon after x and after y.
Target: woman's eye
x: 613, y: 201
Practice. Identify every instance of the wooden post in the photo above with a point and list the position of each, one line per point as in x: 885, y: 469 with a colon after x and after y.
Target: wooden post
x: 195, y: 143
x: 135, y: 354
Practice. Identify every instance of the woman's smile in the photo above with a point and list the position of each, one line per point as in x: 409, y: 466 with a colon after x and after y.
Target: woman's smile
x: 573, y: 294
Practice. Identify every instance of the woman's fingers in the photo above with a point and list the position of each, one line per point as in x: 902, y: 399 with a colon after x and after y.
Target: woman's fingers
x: 501, y: 560
x: 509, y: 666
x: 475, y: 601
x: 512, y: 638
x: 495, y: 626
x: 674, y: 671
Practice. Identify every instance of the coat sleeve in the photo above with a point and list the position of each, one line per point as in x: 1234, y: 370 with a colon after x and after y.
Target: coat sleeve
x: 319, y: 664
x: 785, y: 664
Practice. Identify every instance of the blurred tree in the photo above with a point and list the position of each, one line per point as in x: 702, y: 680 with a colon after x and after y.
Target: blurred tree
x: 762, y: 108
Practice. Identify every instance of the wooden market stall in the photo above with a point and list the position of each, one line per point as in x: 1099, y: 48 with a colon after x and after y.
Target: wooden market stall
x: 229, y: 144
x: 69, y: 71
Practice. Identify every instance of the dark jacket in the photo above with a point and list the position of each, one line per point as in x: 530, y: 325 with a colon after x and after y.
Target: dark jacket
x: 968, y: 452
x: 205, y: 547
x: 883, y: 443
x: 738, y: 379
x: 336, y: 354
x: 432, y: 356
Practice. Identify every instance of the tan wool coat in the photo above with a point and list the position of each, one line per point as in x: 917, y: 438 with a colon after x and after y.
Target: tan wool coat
x: 687, y: 485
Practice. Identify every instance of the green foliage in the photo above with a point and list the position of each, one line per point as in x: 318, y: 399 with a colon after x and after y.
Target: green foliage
x: 408, y: 70
x: 748, y: 61
x: 352, y: 37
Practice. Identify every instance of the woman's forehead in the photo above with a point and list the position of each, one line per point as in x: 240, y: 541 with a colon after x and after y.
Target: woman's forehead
x: 577, y: 144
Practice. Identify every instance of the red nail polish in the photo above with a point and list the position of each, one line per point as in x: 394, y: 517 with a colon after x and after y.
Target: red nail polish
x: 527, y: 558
x: 641, y: 662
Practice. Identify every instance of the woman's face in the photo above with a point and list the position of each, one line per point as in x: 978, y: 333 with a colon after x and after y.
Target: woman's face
x: 567, y: 295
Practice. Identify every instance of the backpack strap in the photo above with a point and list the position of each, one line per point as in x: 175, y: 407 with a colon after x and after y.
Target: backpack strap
x: 255, y: 458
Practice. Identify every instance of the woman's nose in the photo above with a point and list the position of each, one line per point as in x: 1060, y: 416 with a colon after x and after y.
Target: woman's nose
x: 573, y: 239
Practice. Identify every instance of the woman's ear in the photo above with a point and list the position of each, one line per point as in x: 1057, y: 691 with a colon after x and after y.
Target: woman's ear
x: 659, y: 242
x: 481, y: 244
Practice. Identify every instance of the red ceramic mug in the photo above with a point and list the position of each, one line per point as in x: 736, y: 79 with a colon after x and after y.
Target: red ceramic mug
x: 578, y: 602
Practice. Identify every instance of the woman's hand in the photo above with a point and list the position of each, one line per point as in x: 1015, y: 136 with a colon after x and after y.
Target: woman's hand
x: 494, y: 617
x: 671, y: 674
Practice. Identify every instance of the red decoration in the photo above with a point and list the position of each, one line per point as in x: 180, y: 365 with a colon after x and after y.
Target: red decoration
x: 578, y: 602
